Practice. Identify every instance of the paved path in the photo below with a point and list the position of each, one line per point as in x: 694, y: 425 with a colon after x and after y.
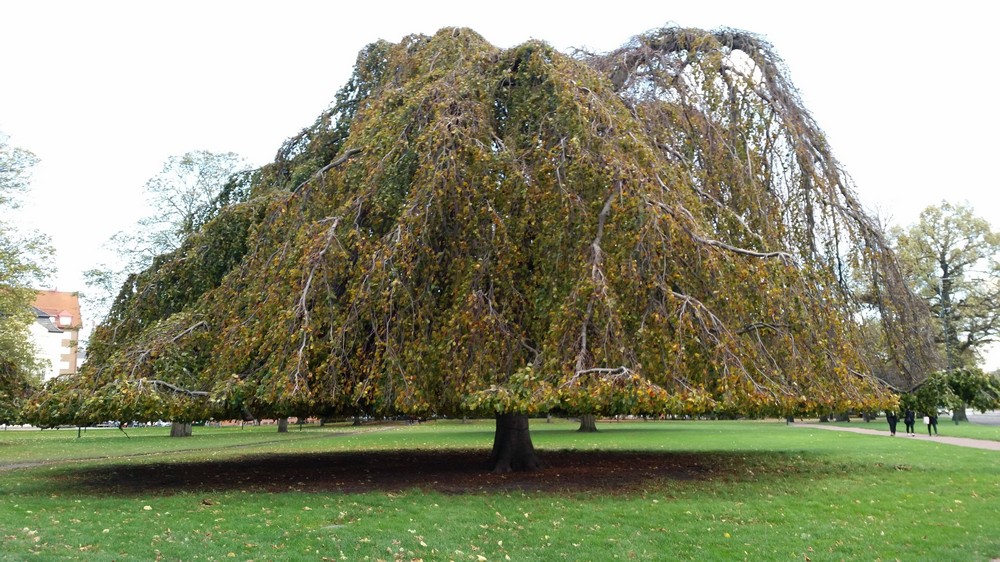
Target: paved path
x: 959, y: 441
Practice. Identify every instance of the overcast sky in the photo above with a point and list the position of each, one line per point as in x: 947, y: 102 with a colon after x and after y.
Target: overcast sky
x: 103, y: 92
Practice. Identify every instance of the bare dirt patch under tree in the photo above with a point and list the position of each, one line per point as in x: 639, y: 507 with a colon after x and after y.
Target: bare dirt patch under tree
x: 451, y: 471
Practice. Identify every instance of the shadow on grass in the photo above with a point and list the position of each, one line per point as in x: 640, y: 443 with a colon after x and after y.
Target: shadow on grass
x: 445, y: 471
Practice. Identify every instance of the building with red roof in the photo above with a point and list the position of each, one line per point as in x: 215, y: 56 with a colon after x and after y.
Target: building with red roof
x: 56, y: 331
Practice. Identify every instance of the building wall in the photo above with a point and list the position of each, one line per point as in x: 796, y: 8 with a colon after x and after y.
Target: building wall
x: 68, y: 360
x: 57, y: 330
x: 50, y: 349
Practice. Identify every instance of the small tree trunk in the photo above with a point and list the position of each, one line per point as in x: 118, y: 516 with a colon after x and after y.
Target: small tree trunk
x: 588, y: 423
x: 180, y: 429
x: 282, y: 425
x: 959, y: 415
x: 357, y: 420
x: 512, y: 447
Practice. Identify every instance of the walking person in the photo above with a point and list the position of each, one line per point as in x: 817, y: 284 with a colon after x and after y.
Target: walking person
x: 931, y: 423
x: 908, y: 419
x: 893, y: 419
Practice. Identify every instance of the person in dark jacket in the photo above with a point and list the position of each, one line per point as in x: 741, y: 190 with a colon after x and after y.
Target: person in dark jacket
x: 932, y: 423
x: 908, y: 419
x: 893, y: 419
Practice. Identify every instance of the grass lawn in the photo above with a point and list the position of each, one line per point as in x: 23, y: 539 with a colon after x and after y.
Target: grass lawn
x: 782, y: 494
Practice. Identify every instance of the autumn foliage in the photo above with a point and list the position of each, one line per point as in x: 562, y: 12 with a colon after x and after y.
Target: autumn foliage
x: 660, y: 229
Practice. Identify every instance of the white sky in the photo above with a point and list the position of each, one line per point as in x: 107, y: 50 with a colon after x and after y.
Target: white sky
x: 105, y: 91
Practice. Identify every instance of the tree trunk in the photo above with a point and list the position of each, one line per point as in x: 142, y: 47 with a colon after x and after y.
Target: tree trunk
x: 588, y: 423
x: 512, y: 447
x: 282, y: 425
x: 357, y: 420
x: 946, y: 316
x: 180, y: 429
x: 959, y: 415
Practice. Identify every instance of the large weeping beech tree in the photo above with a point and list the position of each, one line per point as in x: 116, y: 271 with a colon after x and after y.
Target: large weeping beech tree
x: 470, y: 230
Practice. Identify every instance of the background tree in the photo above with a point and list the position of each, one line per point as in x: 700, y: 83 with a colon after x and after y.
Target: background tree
x: 951, y: 257
x: 931, y: 395
x: 20, y: 272
x: 182, y: 197
x: 955, y: 390
x: 186, y: 193
x: 973, y: 389
x: 469, y: 230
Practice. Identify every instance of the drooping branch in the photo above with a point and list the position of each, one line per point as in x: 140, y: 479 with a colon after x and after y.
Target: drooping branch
x: 178, y: 390
x: 757, y: 326
x: 348, y: 153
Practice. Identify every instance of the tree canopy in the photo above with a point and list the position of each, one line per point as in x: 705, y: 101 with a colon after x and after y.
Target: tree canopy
x: 662, y: 228
x: 955, y: 390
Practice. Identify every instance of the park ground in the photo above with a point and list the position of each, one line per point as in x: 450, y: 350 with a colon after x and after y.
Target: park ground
x: 637, y: 490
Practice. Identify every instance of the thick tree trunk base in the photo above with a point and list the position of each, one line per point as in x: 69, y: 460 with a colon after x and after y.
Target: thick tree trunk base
x: 588, y: 423
x: 512, y: 447
x: 282, y: 425
x: 959, y: 415
x: 357, y: 421
x: 178, y: 429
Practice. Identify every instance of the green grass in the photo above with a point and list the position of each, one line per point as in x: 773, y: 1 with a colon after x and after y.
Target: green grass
x: 803, y: 493
x: 17, y: 446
